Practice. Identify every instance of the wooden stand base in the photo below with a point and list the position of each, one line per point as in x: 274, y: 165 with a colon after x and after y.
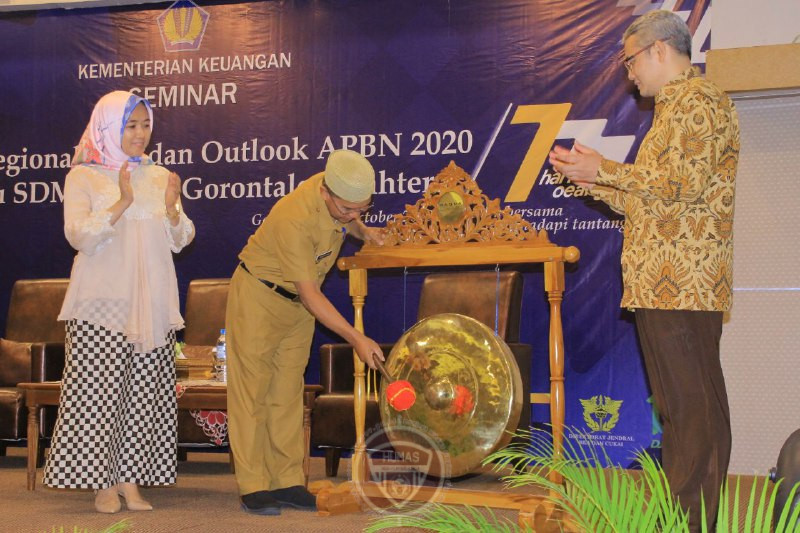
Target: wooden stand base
x: 534, y: 511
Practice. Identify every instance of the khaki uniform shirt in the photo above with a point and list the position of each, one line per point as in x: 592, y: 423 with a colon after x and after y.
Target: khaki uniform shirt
x: 677, y: 198
x: 298, y: 241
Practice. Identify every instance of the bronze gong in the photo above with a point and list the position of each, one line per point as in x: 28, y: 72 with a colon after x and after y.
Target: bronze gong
x: 468, y: 387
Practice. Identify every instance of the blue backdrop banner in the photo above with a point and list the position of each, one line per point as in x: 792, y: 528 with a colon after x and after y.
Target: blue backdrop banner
x: 249, y: 99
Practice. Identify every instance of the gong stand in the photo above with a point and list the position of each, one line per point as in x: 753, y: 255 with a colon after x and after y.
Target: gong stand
x: 454, y: 224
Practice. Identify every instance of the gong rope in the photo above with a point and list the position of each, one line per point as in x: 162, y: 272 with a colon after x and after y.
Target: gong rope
x: 497, y: 299
x: 372, y: 375
x: 405, y: 292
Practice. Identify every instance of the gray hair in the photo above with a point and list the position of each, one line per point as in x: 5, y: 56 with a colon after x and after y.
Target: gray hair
x: 661, y: 25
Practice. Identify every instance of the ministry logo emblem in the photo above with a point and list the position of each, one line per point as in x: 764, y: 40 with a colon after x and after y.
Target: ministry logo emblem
x: 601, y: 413
x: 182, y: 26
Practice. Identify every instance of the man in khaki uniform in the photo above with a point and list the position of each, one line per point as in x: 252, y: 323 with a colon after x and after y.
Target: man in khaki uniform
x: 273, y: 300
x: 677, y: 254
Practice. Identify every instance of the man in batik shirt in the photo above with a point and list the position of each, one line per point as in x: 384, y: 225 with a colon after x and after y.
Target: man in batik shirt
x: 677, y: 255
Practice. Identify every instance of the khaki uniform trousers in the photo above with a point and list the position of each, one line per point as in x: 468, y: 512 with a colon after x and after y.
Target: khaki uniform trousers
x: 268, y: 341
x: 681, y: 356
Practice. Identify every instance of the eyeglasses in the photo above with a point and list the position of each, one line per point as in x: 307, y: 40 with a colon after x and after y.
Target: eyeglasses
x: 628, y: 61
x: 349, y: 210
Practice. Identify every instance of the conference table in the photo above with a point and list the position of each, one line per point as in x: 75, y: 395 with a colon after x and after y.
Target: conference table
x: 191, y: 396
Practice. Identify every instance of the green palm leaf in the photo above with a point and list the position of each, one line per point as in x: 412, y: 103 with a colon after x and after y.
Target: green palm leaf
x: 447, y: 519
x: 117, y: 527
x: 599, y: 499
x: 593, y: 498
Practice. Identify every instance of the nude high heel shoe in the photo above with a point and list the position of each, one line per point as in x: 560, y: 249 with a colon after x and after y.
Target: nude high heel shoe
x: 133, y: 500
x: 107, y: 501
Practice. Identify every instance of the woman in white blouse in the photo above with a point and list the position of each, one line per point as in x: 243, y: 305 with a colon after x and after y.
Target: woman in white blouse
x: 116, y: 425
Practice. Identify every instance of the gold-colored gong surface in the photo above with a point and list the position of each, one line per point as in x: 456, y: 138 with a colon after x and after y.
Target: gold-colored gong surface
x: 469, y: 391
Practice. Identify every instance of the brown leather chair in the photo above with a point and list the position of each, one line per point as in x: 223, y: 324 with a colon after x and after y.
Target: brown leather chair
x: 31, y: 351
x: 205, y: 311
x: 204, y: 317
x: 474, y: 294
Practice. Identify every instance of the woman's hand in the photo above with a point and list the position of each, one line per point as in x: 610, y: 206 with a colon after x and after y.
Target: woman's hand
x: 125, y: 194
x: 172, y: 197
x: 173, y: 192
x: 125, y: 187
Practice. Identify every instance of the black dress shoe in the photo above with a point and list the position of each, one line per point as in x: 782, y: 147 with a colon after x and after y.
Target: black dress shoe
x: 297, y: 497
x: 260, y: 503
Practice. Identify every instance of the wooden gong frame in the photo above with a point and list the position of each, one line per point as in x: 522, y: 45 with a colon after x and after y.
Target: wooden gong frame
x: 454, y: 224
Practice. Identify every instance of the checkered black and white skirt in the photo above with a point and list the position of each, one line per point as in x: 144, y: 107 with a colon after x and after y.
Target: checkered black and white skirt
x: 117, y: 419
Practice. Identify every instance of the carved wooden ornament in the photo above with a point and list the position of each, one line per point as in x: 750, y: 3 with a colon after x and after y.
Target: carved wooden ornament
x: 454, y: 210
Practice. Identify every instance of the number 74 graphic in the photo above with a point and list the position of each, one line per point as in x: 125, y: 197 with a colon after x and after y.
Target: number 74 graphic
x: 553, y: 124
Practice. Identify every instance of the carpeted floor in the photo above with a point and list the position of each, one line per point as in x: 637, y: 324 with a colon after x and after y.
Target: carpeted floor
x: 203, y: 500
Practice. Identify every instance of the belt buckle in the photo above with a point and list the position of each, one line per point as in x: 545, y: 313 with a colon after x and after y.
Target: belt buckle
x: 289, y: 295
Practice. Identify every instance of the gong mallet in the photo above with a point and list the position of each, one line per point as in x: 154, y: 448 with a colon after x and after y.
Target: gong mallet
x: 400, y: 394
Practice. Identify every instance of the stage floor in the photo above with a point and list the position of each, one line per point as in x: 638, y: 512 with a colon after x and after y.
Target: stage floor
x: 203, y: 500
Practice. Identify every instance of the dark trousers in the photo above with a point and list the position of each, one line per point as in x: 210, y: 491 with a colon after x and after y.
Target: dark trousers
x: 681, y: 355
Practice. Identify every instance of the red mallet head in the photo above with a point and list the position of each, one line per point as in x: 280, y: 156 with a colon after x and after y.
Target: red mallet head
x: 401, y: 395
x: 463, y: 401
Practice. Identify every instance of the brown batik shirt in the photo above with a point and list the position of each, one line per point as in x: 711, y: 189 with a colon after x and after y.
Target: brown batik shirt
x: 677, y: 198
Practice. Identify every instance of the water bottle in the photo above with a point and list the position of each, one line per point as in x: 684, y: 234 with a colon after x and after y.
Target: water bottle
x: 220, y: 358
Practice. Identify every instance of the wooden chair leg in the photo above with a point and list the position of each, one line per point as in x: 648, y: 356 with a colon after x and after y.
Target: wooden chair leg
x: 332, y: 456
x: 2, y: 449
x: 40, y: 453
x: 183, y: 454
x: 307, y: 439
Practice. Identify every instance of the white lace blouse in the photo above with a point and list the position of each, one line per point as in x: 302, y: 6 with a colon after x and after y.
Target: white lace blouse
x: 123, y: 277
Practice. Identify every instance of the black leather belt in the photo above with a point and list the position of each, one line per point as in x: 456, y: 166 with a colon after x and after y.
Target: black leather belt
x: 273, y: 286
